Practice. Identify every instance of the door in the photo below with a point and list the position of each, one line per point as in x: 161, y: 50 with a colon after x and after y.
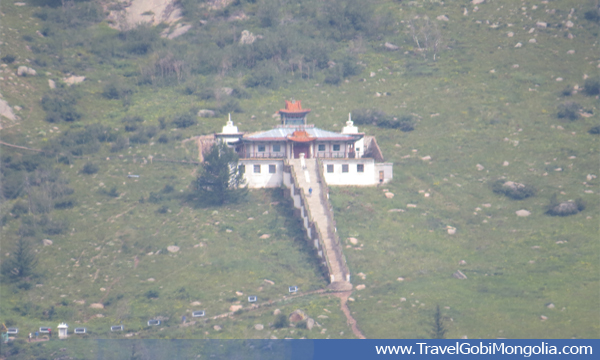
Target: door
x: 301, y: 148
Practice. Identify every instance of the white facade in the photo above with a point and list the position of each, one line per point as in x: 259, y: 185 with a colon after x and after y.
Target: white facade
x: 262, y: 173
x: 355, y: 172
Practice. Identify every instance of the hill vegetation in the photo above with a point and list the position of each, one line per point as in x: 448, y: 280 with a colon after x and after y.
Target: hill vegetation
x: 462, y: 98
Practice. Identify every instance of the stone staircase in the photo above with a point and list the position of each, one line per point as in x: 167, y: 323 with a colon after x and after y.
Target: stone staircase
x: 308, y: 178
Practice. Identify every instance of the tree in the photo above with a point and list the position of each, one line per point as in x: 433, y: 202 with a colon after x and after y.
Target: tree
x: 22, y: 261
x: 438, y: 330
x: 219, y: 180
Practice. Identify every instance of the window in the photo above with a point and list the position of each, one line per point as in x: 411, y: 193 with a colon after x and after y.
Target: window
x: 345, y: 168
x: 330, y: 168
x: 257, y: 169
x: 336, y: 147
x: 242, y: 169
x: 261, y: 148
x: 360, y: 168
x: 272, y: 169
x: 322, y: 147
x: 276, y: 148
x: 357, y: 150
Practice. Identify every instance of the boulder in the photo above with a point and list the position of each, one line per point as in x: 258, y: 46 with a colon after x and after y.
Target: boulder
x: 247, y: 38
x: 234, y: 308
x: 459, y: 275
x: 310, y: 323
x: 173, y: 248
x: 26, y: 71
x: 259, y: 327
x: 196, y: 303
x: 353, y: 241
x: 96, y: 306
x: 391, y: 46
x: 442, y: 18
x: 205, y: 113
x: 217, y: 328
x: 72, y: 80
x: 389, y: 195
x: 276, y: 312
x: 51, y: 84
x: 569, y: 24
x: 6, y: 110
x: 265, y: 236
x: 47, y: 242
x: 361, y: 287
x: 297, y: 315
x: 523, y: 213
x: 477, y: 2
x: 541, y: 24
x: 479, y: 167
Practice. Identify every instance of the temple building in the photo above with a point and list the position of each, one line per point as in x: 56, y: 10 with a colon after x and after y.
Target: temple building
x: 347, y: 158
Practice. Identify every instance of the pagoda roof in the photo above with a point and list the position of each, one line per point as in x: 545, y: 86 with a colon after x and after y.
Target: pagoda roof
x: 312, y: 133
x: 294, y: 107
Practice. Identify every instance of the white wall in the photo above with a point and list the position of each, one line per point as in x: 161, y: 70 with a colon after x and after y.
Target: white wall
x: 387, y: 169
x: 264, y: 179
x: 352, y: 177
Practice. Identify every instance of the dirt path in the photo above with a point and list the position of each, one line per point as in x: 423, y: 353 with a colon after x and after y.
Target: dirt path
x: 344, y: 306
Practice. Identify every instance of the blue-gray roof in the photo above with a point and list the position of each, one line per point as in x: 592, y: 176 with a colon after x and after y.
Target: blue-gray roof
x: 282, y: 133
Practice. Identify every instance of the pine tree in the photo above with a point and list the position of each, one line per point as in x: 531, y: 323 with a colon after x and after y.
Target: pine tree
x: 438, y: 330
x: 219, y: 180
x: 22, y: 261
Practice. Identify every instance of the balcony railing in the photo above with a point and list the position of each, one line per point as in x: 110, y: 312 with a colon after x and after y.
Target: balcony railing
x: 265, y: 155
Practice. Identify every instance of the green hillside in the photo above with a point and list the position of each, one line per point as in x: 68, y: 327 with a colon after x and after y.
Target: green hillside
x: 493, y: 92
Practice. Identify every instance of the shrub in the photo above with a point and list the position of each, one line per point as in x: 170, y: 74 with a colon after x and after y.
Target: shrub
x: 281, y: 321
x: 120, y: 143
x: 592, y: 86
x: 152, y: 294
x: 513, y: 190
x: 333, y: 79
x: 162, y: 123
x: 60, y: 105
x: 115, y: 90
x: 64, y: 204
x: 594, y: 130
x: 302, y: 324
x: 90, y: 168
x: 163, y: 139
x: 163, y: 209
x: 55, y: 227
x: 154, y: 198
x: 8, y: 59
x: 569, y: 110
x: 22, y: 261
x: 184, y: 120
x: 138, y: 138
x: 592, y: 15
x: 230, y: 106
x: 564, y: 208
x: 168, y: 189
x: 19, y: 208
x: 113, y: 192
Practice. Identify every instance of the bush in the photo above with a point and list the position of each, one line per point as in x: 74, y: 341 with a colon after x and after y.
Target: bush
x: 55, y: 227
x: 513, y: 190
x: 592, y: 15
x: 594, y: 130
x: 113, y: 192
x: 8, y: 59
x: 230, y: 106
x: 564, y: 208
x: 163, y: 209
x: 115, y: 90
x: 152, y: 294
x: 64, y: 204
x: 184, y: 120
x: 569, y: 110
x: 60, y: 105
x: 120, y: 143
x: 163, y: 139
x: 90, y: 168
x: 162, y: 123
x: 168, y: 189
x: 592, y: 86
x: 281, y: 321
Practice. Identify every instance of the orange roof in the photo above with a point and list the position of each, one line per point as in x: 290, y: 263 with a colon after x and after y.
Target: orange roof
x: 300, y: 136
x: 294, y: 107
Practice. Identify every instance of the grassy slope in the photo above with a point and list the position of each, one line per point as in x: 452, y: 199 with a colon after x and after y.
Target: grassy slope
x: 478, y: 110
